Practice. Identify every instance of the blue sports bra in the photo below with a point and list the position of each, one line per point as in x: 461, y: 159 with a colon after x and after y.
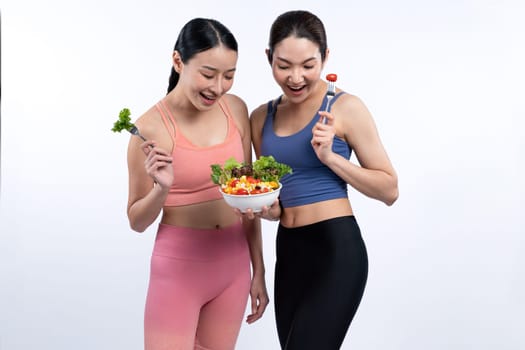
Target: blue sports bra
x: 311, y: 180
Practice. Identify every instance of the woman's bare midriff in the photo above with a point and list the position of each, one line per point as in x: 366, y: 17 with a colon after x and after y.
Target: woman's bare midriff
x: 315, y: 212
x: 205, y: 215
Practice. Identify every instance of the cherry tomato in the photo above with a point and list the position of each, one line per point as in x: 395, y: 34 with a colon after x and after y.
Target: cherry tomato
x: 251, y: 180
x: 241, y: 191
x: 331, y: 77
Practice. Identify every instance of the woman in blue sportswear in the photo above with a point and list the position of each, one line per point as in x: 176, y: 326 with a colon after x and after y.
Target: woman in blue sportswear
x: 321, y: 265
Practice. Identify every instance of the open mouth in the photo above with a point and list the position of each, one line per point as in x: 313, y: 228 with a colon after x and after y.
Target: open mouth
x: 296, y: 89
x: 208, y: 99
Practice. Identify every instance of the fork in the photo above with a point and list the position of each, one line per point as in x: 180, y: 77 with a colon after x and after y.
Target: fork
x: 135, y: 131
x: 330, y: 93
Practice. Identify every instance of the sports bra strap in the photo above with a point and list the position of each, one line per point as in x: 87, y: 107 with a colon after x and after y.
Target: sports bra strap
x: 163, y: 110
x: 225, y: 108
x: 334, y: 99
x: 272, y: 105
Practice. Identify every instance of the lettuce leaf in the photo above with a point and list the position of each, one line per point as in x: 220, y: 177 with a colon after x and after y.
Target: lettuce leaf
x: 123, y: 122
x: 266, y: 168
x: 221, y: 174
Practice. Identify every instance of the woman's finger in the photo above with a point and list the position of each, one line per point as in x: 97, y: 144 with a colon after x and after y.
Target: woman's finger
x: 147, y: 146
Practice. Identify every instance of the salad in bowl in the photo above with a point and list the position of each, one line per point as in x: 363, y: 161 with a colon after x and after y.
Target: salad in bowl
x: 250, y: 186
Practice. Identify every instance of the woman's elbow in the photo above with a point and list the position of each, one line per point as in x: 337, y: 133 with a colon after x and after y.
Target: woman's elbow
x: 392, y: 196
x: 134, y: 220
x: 392, y: 199
x: 137, y: 226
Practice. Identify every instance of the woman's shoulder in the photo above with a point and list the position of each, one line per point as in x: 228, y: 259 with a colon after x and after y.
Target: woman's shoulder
x: 258, y: 116
x: 260, y: 112
x: 238, y: 111
x: 350, y: 105
x: 352, y: 117
x: 236, y: 106
x: 234, y: 102
x: 148, y: 122
x: 349, y: 100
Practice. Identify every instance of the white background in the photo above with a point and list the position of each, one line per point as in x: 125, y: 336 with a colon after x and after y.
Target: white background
x: 443, y: 79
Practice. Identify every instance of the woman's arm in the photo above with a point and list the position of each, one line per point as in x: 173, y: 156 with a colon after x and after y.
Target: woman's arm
x: 150, y: 176
x: 374, y: 176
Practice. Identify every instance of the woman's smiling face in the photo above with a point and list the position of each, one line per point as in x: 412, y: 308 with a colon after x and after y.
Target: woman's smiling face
x: 296, y: 67
x: 208, y: 75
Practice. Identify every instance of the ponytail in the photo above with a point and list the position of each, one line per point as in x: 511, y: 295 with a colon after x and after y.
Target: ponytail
x: 174, y: 78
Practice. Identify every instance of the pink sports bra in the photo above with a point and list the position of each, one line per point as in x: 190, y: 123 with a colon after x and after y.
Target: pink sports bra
x: 191, y: 164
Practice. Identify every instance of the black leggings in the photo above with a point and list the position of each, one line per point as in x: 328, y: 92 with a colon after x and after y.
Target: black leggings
x: 320, y: 277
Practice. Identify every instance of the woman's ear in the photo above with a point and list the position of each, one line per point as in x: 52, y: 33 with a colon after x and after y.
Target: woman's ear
x: 177, y: 61
x: 269, y: 55
x: 326, y: 55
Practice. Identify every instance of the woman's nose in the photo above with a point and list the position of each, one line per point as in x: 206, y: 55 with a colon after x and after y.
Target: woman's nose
x: 296, y: 76
x: 218, y: 86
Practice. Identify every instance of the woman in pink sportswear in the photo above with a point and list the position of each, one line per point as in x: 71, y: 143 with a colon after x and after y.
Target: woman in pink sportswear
x: 200, y: 274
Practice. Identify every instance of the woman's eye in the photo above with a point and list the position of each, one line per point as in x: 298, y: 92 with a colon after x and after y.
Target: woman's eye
x: 282, y: 67
x: 308, y: 67
x: 228, y: 77
x: 207, y: 76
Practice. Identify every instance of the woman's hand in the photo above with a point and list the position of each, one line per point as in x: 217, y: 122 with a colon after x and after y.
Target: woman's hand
x: 259, y: 298
x: 158, y: 164
x: 323, y: 136
x: 272, y: 213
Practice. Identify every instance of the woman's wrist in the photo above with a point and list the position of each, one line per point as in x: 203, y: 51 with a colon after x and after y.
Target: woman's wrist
x: 274, y: 217
x: 159, y: 190
x: 259, y: 271
x: 270, y: 216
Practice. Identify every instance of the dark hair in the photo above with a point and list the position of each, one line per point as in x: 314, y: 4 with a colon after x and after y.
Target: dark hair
x: 198, y: 35
x: 300, y: 24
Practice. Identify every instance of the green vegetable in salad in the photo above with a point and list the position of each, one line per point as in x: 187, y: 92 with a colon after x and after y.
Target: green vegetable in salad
x: 123, y: 122
x: 266, y: 168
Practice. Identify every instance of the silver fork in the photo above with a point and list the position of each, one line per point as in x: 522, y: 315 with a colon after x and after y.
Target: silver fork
x: 330, y: 93
x: 135, y: 131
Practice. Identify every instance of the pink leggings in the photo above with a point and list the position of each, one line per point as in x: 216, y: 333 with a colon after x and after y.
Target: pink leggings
x: 198, y: 288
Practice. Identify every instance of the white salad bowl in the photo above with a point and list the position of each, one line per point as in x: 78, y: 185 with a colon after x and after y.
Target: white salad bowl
x: 253, y: 201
